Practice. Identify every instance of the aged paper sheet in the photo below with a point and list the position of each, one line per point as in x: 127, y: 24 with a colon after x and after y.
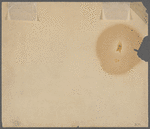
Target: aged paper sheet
x: 52, y: 76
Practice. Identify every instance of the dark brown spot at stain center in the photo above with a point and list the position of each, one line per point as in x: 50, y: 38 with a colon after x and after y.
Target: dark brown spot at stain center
x: 119, y: 48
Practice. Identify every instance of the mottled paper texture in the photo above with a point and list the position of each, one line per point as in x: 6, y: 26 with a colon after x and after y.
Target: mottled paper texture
x: 53, y: 77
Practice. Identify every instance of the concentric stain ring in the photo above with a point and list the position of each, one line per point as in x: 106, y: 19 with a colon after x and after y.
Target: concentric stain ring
x: 115, y: 49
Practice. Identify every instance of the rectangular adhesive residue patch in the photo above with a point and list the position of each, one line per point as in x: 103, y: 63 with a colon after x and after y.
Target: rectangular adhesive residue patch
x: 25, y: 11
x: 116, y: 10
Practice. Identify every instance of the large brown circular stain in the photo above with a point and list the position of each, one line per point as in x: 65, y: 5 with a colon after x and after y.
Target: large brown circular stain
x: 115, y: 49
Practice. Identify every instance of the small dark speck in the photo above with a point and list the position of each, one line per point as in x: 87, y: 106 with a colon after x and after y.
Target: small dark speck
x: 16, y: 123
x: 131, y: 30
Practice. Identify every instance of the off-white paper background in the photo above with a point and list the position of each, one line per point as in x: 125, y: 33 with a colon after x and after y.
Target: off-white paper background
x: 51, y: 76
